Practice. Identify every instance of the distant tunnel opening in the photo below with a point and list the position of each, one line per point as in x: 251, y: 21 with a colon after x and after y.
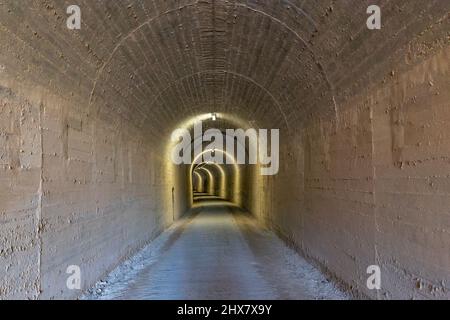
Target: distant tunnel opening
x: 217, y: 159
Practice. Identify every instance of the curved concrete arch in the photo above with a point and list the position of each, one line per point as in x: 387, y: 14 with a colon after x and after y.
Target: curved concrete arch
x: 274, y: 19
x: 242, y: 76
x: 198, y: 187
x: 210, y: 181
x: 127, y: 36
x: 123, y: 39
x: 222, y: 187
x: 235, y: 181
x: 220, y: 178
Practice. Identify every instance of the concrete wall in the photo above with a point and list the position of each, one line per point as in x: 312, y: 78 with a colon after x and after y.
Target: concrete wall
x: 75, y: 190
x: 371, y: 186
x: 20, y: 196
x: 99, y: 198
x: 80, y: 183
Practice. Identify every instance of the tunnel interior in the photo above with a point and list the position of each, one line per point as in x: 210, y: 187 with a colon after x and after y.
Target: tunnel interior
x: 87, y: 120
x: 216, y: 171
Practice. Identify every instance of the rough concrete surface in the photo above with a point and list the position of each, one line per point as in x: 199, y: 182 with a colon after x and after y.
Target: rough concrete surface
x: 86, y: 117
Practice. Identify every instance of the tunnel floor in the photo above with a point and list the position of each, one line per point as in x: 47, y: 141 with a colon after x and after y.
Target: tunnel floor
x: 215, y: 252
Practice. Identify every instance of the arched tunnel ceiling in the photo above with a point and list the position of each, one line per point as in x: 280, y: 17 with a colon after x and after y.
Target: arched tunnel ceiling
x: 274, y: 62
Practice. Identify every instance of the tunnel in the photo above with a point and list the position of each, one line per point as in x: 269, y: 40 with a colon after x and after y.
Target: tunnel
x: 314, y: 134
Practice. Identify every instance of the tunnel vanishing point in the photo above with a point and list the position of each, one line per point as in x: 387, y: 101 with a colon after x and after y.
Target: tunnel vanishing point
x: 87, y: 114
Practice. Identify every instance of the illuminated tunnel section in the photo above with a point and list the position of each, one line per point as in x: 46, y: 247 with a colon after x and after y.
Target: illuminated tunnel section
x: 226, y: 180
x: 215, y: 175
x: 221, y: 180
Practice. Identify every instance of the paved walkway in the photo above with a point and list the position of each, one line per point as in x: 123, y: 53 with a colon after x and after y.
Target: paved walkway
x: 216, y: 253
